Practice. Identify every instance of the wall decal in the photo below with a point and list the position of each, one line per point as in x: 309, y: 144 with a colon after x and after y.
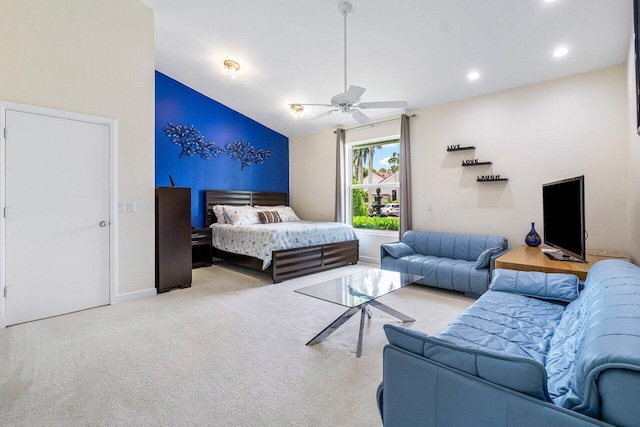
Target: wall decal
x: 246, y: 154
x: 191, y: 141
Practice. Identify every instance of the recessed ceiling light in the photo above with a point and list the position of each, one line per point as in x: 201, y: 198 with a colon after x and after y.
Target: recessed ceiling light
x: 560, y: 52
x: 549, y: 1
x: 474, y: 75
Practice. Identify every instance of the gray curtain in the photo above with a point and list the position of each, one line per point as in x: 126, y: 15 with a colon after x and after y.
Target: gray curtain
x: 405, y: 176
x: 340, y: 215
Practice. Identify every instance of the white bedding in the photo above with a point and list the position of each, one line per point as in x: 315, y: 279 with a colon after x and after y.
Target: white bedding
x: 259, y: 240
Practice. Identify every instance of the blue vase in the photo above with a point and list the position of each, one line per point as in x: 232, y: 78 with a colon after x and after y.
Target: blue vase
x: 533, y: 238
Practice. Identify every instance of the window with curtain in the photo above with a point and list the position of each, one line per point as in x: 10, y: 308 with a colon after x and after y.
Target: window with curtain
x: 372, y: 190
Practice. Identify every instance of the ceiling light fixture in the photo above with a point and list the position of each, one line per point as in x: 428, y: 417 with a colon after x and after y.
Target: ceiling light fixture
x: 231, y: 67
x: 560, y: 52
x: 297, y: 110
x: 474, y: 75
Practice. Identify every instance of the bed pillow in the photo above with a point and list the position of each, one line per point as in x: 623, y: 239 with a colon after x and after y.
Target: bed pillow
x: 218, y: 211
x: 485, y: 257
x: 268, y: 217
x: 241, y: 215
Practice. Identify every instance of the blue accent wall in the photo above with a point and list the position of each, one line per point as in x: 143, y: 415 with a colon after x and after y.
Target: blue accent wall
x: 181, y: 105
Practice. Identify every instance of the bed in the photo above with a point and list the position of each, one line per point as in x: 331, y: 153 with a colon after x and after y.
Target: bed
x: 288, y: 258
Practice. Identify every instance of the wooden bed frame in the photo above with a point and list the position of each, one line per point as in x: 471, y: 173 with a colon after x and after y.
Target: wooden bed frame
x: 288, y: 263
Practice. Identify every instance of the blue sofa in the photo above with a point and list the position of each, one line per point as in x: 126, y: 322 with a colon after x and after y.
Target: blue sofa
x: 460, y: 262
x: 534, y: 350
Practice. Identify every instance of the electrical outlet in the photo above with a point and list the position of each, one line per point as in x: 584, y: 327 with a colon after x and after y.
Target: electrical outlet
x: 131, y: 207
x: 121, y: 207
x: 429, y: 207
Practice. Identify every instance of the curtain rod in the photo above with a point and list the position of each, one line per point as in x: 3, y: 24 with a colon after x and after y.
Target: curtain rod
x: 376, y: 123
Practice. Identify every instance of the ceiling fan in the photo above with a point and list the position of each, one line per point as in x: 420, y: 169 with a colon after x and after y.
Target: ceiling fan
x: 348, y: 102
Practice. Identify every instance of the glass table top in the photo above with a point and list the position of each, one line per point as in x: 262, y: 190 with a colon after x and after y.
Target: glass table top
x: 358, y: 288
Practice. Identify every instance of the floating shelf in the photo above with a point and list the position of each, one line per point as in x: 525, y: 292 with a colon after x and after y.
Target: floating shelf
x: 476, y: 164
x: 492, y: 180
x: 458, y: 148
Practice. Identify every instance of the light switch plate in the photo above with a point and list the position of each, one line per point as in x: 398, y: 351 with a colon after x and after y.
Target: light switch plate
x: 121, y: 207
x: 131, y: 206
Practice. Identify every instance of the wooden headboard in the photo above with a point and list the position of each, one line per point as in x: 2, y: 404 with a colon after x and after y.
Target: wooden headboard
x: 239, y: 198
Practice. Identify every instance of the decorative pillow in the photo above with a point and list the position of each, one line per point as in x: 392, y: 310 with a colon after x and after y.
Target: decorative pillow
x: 553, y: 286
x: 218, y: 210
x: 286, y: 212
x: 485, y: 257
x: 269, y: 217
x: 241, y: 215
x: 398, y: 249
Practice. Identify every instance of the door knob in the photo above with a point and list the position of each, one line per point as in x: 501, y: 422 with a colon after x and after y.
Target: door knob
x: 103, y: 223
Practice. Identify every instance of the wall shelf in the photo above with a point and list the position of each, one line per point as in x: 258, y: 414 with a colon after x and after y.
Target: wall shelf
x: 459, y: 148
x: 492, y: 179
x: 476, y: 164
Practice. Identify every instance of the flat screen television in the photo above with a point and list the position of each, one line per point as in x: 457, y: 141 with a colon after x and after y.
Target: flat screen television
x: 636, y: 51
x: 563, y: 216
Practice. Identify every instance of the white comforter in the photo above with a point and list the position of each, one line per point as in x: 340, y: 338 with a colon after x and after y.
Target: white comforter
x: 260, y: 240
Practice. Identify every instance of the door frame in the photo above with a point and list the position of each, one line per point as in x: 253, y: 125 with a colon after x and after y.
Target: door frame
x: 113, y: 191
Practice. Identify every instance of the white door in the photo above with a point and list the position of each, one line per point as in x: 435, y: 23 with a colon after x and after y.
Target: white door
x: 57, y: 217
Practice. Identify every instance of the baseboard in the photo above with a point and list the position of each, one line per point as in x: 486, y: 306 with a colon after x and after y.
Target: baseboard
x: 132, y: 296
x: 369, y: 260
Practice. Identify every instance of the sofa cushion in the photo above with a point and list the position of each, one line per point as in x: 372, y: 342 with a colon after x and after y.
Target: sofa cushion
x: 485, y: 257
x: 398, y: 249
x: 515, y: 372
x: 553, y: 286
x: 507, y: 322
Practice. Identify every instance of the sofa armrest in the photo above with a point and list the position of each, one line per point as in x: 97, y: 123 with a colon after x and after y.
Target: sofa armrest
x: 417, y: 391
x: 383, y: 251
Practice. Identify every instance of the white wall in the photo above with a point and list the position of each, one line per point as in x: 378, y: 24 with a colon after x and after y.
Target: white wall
x: 634, y: 157
x: 533, y: 135
x: 94, y: 57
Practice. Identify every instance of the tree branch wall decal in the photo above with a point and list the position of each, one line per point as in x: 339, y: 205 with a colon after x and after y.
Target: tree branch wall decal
x: 192, y: 142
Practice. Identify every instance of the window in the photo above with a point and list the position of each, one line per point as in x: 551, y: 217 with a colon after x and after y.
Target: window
x: 373, y: 189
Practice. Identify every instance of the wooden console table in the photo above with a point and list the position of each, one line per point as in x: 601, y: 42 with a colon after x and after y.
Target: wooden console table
x: 526, y: 258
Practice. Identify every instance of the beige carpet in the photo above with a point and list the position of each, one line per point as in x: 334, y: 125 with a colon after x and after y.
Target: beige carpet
x: 229, y: 351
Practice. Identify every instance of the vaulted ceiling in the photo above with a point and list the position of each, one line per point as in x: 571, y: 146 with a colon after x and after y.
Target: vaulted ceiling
x: 420, y: 51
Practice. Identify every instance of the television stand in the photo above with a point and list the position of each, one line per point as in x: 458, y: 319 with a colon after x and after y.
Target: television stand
x: 526, y: 258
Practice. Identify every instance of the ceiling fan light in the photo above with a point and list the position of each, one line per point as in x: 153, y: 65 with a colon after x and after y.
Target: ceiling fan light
x: 297, y: 110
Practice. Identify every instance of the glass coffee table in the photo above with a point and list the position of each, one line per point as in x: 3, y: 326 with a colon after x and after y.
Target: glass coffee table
x: 358, y: 292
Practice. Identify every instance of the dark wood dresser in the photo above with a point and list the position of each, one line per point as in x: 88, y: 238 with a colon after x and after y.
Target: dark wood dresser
x: 173, y: 238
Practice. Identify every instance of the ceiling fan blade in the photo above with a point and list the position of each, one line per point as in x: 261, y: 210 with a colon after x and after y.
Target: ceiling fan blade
x: 312, y: 105
x: 360, y: 117
x: 353, y: 94
x: 383, y: 104
x: 326, y: 113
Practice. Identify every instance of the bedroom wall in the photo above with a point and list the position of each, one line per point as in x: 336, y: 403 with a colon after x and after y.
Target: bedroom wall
x: 94, y: 57
x: 533, y: 135
x: 179, y: 104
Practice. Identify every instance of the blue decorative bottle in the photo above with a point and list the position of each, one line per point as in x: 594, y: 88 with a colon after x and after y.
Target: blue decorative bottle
x: 533, y: 238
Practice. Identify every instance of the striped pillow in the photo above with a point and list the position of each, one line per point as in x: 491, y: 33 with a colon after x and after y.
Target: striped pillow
x: 269, y: 217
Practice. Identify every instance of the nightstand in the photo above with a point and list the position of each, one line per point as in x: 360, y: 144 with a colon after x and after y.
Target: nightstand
x: 201, y: 247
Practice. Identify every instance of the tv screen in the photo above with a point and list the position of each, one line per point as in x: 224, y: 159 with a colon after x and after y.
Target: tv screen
x: 636, y: 35
x: 563, y: 215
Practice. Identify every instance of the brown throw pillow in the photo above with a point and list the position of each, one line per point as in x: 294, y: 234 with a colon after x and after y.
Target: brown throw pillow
x: 268, y: 217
